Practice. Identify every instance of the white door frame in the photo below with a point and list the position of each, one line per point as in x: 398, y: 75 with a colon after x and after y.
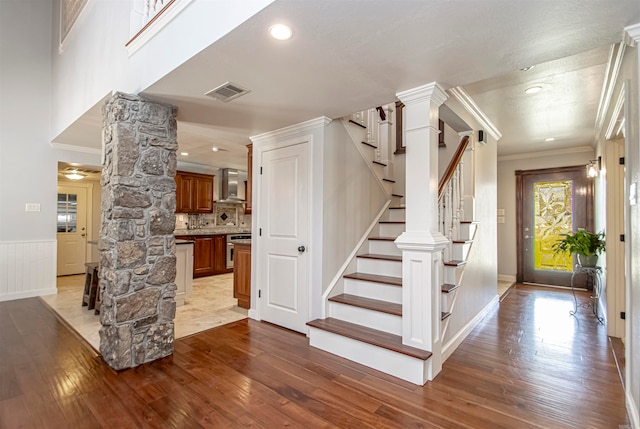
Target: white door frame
x: 89, y: 213
x: 311, y: 133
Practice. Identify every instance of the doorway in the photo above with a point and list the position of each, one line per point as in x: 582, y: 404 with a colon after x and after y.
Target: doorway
x: 283, y: 262
x: 550, y: 202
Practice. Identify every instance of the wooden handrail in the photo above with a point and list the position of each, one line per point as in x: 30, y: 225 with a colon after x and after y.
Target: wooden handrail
x: 457, y: 157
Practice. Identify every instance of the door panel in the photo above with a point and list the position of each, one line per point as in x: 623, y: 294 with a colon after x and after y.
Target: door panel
x: 71, y: 230
x: 284, y: 210
x: 552, y: 202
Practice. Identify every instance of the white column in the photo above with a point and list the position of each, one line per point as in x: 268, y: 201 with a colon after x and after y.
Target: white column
x: 385, y: 141
x: 422, y: 243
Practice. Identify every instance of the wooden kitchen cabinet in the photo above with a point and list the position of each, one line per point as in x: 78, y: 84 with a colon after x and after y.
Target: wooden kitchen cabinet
x: 242, y: 274
x: 209, y: 254
x: 194, y: 193
x: 220, y: 249
x: 203, y: 256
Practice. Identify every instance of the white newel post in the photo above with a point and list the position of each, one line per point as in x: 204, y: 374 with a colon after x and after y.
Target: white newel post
x: 422, y: 243
x: 385, y: 141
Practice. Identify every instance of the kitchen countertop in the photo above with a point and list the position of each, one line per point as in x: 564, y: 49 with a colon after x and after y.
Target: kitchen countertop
x: 181, y: 241
x: 216, y: 230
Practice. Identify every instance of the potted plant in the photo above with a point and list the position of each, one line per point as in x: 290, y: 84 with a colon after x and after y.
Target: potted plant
x: 586, y: 245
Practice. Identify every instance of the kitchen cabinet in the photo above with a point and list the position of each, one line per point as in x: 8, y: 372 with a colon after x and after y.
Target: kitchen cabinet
x: 248, y: 206
x: 209, y: 254
x: 242, y: 274
x: 194, y: 193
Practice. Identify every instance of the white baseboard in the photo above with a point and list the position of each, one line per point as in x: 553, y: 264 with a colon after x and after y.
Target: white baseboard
x: 632, y: 410
x: 253, y: 314
x: 458, y: 338
x: 506, y: 278
x: 28, y: 294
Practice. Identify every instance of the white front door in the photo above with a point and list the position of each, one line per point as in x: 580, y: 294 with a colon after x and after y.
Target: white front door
x: 283, y: 260
x: 71, y: 230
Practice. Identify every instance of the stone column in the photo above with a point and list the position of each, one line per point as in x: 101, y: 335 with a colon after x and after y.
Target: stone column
x: 137, y: 246
x: 421, y: 243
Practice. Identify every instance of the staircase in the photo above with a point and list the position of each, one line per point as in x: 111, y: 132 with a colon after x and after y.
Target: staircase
x: 364, y: 323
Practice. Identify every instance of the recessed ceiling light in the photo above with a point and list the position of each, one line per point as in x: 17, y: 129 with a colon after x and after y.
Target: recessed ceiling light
x: 74, y: 175
x: 215, y: 149
x: 281, y: 32
x: 184, y: 153
x: 549, y: 139
x: 533, y: 90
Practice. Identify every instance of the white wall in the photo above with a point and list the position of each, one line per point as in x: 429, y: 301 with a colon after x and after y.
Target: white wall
x: 452, y: 140
x: 480, y: 281
x: 93, y: 60
x: 507, y: 166
x: 351, y: 200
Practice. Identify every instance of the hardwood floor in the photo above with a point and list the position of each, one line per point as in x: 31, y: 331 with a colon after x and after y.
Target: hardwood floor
x: 528, y: 365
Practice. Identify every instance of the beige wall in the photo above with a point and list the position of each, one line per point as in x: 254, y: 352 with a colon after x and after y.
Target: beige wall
x: 507, y: 256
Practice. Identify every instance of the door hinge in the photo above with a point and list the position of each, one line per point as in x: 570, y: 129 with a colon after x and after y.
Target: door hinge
x: 623, y: 315
x: 260, y: 170
x: 260, y: 295
x: 622, y: 237
x: 260, y: 232
x: 621, y: 161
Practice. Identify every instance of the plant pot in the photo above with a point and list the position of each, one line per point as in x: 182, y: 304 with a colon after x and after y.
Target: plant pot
x: 587, y: 261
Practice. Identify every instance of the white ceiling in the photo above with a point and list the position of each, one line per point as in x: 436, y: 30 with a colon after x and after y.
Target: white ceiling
x: 347, y: 55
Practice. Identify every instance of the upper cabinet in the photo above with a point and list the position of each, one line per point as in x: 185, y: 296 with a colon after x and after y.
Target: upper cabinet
x: 247, y: 208
x: 194, y: 193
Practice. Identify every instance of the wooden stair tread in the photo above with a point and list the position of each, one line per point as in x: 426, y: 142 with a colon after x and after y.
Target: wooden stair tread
x: 369, y: 336
x: 355, y: 123
x: 455, y: 263
x: 392, y: 221
x: 397, y: 195
x: 388, y: 180
x: 448, y: 287
x: 380, y: 163
x: 397, y: 208
x: 394, y: 281
x: 368, y: 303
x: 370, y: 145
x: 381, y: 257
x: 383, y: 238
x: 461, y: 241
x: 444, y: 315
x: 469, y: 222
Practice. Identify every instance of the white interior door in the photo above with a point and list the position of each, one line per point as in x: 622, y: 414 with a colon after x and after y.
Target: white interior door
x: 72, y: 230
x: 283, y: 259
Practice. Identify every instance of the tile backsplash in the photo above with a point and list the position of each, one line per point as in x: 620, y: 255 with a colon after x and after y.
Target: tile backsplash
x: 224, y: 214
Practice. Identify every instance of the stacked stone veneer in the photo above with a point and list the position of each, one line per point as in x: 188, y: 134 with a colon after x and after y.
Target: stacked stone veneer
x: 137, y: 246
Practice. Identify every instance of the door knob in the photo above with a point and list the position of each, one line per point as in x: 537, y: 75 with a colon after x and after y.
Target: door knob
x: 83, y: 234
x: 301, y: 249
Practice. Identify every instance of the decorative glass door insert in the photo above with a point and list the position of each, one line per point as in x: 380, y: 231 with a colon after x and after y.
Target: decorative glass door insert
x: 553, y: 216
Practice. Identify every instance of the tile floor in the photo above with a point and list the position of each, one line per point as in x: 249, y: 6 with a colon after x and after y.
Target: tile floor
x: 211, y: 305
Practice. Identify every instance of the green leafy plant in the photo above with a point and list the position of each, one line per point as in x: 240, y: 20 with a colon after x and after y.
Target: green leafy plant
x: 581, y: 242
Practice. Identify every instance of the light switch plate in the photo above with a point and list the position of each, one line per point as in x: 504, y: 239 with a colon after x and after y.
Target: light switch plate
x: 500, y: 212
x: 32, y: 207
x: 500, y: 219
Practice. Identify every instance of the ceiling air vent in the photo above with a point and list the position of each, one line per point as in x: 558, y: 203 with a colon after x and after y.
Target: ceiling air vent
x: 227, y: 91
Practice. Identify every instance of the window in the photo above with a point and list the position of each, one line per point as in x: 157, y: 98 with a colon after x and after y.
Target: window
x: 67, y: 212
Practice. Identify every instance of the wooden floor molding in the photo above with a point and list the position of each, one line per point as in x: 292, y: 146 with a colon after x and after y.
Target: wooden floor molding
x: 527, y: 365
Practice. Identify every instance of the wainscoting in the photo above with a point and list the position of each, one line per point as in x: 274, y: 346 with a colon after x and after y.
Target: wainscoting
x: 27, y: 268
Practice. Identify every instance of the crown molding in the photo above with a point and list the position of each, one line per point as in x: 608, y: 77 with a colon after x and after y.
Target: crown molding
x: 614, y: 64
x: 470, y: 106
x: 290, y: 131
x: 615, y: 115
x: 544, y: 153
x: 632, y: 34
x: 429, y: 92
x: 74, y: 148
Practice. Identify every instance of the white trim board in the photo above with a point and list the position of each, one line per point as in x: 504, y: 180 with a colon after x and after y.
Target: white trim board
x: 506, y: 278
x: 454, y: 343
x: 470, y: 106
x: 632, y: 410
x: 545, y: 153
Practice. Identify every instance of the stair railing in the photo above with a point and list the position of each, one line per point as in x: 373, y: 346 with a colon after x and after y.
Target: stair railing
x: 377, y: 135
x: 450, y: 192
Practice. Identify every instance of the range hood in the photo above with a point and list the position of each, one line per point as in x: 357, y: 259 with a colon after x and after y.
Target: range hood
x: 231, y: 179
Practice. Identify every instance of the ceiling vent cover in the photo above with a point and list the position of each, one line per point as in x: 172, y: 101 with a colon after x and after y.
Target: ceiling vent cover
x: 227, y: 91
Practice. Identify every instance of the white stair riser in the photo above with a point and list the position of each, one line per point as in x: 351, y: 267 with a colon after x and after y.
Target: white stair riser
x: 383, y: 247
x: 391, y: 229
x: 446, y: 301
x: 468, y: 211
x: 402, y: 366
x: 380, y: 267
x: 453, y: 275
x: 373, y: 290
x: 467, y: 231
x: 396, y: 215
x: 461, y: 251
x: 370, y: 318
